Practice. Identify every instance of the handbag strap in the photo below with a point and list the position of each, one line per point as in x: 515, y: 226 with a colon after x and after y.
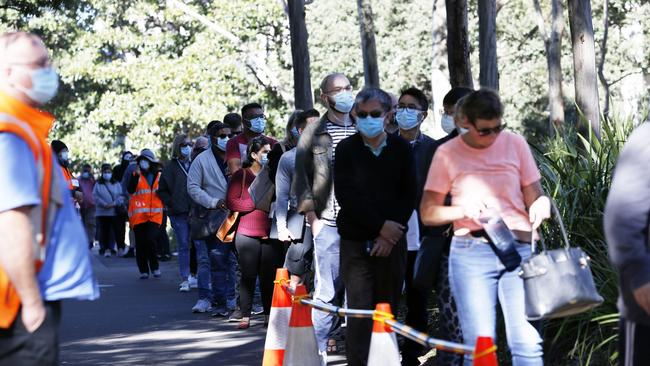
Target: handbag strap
x: 558, y: 218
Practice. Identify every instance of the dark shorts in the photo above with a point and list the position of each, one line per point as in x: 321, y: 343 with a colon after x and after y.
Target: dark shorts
x: 19, y: 347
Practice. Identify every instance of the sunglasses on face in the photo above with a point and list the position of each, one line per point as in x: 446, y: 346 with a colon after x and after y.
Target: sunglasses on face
x: 223, y: 136
x: 373, y: 114
x: 489, y: 131
x: 186, y: 144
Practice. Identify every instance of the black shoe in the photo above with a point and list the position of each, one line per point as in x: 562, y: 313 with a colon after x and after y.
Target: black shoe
x: 102, y: 251
x: 129, y: 254
x: 113, y: 252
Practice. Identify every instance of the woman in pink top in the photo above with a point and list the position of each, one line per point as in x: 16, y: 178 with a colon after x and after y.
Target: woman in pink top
x: 487, y: 171
x: 257, y: 255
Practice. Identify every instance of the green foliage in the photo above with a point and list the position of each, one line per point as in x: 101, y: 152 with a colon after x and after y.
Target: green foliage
x: 577, y: 173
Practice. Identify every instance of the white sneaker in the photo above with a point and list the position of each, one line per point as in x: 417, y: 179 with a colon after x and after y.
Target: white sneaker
x: 157, y: 273
x: 193, y: 282
x: 202, y: 306
x: 184, y: 287
x: 107, y: 254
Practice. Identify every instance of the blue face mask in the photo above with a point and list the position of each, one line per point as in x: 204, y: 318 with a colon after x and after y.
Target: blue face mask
x: 222, y: 142
x: 186, y: 151
x: 264, y: 159
x: 295, y: 133
x: 45, y: 84
x: 370, y: 127
x: 407, y: 118
x: 258, y: 124
x: 107, y: 176
x: 85, y: 175
x: 343, y: 102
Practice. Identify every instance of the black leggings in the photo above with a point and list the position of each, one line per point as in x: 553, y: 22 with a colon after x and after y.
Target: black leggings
x: 145, y: 246
x: 109, y: 227
x: 257, y: 257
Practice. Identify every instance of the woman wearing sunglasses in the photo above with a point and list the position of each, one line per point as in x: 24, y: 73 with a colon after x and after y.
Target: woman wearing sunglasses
x: 488, y: 172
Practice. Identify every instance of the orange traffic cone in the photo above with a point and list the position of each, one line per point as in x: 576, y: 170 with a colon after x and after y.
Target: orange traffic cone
x: 301, y: 345
x: 276, y: 333
x: 485, y: 352
x: 383, y: 344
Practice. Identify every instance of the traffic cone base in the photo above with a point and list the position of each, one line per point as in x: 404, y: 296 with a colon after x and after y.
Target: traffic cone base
x: 302, y: 349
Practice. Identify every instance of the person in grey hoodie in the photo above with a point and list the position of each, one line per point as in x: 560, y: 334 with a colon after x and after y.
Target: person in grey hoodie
x: 627, y: 214
x: 107, y: 194
x: 173, y: 193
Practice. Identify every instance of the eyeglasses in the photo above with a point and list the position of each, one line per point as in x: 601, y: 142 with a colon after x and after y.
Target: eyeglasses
x: 373, y: 114
x: 187, y: 144
x: 489, y: 131
x: 339, y: 89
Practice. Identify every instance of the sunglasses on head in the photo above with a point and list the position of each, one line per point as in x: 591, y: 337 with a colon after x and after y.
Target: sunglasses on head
x: 373, y: 114
x: 489, y: 131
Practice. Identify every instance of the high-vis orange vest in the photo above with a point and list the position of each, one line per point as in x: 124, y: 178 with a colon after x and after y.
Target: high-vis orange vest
x: 32, y: 126
x: 144, y: 204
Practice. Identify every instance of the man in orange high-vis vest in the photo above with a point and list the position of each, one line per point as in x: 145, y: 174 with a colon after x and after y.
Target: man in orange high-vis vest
x: 43, y: 253
x: 145, y: 212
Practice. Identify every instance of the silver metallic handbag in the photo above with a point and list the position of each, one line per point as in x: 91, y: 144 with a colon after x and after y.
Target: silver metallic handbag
x: 558, y: 282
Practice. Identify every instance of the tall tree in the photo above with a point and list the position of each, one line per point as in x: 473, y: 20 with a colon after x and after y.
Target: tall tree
x: 487, y: 37
x: 460, y: 68
x: 603, y: 53
x: 553, y: 47
x: 368, y: 47
x: 584, y: 62
x: 300, y: 55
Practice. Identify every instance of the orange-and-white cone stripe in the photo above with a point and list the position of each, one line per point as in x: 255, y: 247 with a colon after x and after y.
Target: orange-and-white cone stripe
x: 383, y: 343
x: 302, y: 349
x: 278, y: 329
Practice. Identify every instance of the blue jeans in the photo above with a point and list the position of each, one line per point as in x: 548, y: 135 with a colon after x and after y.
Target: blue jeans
x: 203, y: 269
x: 477, y: 280
x: 182, y: 232
x: 328, y: 286
x: 223, y: 274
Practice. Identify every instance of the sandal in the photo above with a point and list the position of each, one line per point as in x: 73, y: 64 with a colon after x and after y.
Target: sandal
x: 334, y: 347
x: 245, y: 323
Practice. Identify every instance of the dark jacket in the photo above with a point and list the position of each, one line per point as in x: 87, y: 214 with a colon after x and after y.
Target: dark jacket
x: 313, y: 179
x: 172, y: 189
x: 423, y: 149
x: 627, y: 214
x: 372, y: 189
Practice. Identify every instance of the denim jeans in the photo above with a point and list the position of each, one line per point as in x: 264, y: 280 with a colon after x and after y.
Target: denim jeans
x: 203, y: 271
x: 328, y: 286
x: 478, y: 280
x: 182, y: 232
x: 223, y: 274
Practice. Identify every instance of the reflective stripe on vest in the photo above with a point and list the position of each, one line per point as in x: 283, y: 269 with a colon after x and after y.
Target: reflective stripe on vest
x: 144, y: 203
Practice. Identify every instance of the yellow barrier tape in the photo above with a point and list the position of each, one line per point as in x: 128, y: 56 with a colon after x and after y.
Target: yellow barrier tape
x: 280, y: 282
x: 296, y: 298
x: 381, y: 316
x: 486, y: 352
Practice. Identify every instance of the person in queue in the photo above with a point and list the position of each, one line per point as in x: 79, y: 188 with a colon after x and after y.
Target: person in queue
x: 87, y: 206
x: 42, y: 262
x: 488, y: 172
x: 314, y: 183
x: 254, y: 122
x: 258, y: 256
x: 145, y: 211
x: 375, y: 187
x: 108, y: 196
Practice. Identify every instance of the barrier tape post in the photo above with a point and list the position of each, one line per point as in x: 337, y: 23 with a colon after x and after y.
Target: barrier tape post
x: 383, y: 344
x: 278, y: 329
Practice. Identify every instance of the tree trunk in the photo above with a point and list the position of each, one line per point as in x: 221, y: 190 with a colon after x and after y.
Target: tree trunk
x: 487, y: 38
x: 460, y: 68
x: 603, y: 53
x: 300, y: 55
x: 584, y: 62
x: 368, y: 48
x: 553, y: 47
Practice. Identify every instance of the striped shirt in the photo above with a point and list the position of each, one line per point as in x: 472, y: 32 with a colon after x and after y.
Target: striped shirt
x: 337, y: 133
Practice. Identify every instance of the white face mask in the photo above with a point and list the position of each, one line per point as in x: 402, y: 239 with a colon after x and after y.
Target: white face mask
x: 447, y: 123
x: 45, y: 84
x: 222, y: 142
x: 144, y: 164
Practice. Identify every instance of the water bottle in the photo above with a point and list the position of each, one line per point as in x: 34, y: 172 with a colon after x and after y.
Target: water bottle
x: 503, y: 241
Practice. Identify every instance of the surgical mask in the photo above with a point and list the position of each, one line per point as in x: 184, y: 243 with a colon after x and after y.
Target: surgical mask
x: 343, y: 102
x: 447, y: 123
x: 370, y: 126
x: 258, y: 124
x: 107, y: 176
x: 45, y: 84
x: 407, y: 118
x: 128, y: 158
x: 85, y: 175
x: 295, y: 133
x: 186, y: 151
x: 222, y: 142
x: 64, y: 156
x: 144, y: 164
x: 264, y: 159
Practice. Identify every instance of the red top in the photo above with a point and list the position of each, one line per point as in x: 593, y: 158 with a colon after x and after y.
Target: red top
x: 252, y: 222
x: 236, y: 147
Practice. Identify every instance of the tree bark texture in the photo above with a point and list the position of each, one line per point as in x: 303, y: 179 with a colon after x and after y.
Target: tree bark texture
x: 487, y: 30
x: 368, y: 47
x: 603, y: 53
x: 300, y: 55
x: 460, y: 68
x: 553, y: 47
x: 584, y: 62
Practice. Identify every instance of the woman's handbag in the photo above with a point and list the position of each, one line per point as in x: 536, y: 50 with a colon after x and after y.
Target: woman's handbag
x: 295, y: 224
x: 228, y: 228
x: 120, y: 209
x: 204, y: 222
x: 558, y: 282
x: 262, y: 190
